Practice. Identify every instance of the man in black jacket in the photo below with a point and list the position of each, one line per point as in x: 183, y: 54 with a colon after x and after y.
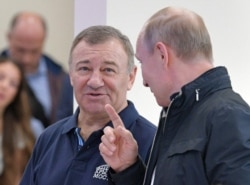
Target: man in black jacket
x: 203, y: 134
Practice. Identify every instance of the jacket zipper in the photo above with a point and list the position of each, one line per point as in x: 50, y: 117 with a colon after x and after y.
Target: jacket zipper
x: 165, y: 114
x: 197, y: 94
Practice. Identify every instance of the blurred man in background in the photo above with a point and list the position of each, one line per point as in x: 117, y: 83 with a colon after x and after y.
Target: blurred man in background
x: 50, y: 92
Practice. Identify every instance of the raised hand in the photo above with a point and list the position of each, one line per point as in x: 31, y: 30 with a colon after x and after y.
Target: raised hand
x: 118, y: 148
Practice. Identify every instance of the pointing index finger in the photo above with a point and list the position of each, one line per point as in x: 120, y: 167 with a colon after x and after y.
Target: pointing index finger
x: 114, y: 117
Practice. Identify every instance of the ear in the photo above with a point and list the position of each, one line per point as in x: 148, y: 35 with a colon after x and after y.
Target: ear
x: 162, y: 51
x: 132, y: 76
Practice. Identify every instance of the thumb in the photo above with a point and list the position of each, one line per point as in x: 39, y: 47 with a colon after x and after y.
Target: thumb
x: 125, y: 135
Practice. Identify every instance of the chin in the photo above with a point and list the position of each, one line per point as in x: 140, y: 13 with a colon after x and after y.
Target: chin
x: 160, y: 103
x: 94, y: 108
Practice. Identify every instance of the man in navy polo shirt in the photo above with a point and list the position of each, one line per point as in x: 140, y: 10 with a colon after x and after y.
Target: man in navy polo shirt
x: 102, y: 70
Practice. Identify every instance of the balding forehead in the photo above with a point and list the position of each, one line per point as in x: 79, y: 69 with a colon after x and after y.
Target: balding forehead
x: 29, y: 20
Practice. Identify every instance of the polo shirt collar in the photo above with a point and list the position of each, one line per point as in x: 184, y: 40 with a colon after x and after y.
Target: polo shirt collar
x: 128, y: 116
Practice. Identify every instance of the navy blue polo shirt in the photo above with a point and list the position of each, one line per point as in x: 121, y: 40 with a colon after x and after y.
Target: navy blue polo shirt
x: 60, y: 158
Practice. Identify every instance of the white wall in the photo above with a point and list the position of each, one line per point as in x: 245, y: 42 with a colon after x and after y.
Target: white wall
x: 88, y: 13
x: 229, y: 26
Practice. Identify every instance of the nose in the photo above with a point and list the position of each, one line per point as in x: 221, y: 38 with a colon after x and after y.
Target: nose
x: 95, y: 81
x: 145, y: 83
x: 26, y: 58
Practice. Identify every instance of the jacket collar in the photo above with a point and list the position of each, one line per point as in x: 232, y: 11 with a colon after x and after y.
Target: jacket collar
x: 209, y: 82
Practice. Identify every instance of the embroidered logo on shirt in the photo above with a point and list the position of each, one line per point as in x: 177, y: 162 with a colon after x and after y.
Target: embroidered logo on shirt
x: 101, y: 172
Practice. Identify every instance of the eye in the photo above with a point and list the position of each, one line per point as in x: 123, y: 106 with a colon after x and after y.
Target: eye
x: 109, y: 70
x: 83, y: 68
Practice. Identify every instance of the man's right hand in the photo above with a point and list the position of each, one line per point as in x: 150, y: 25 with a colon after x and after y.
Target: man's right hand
x: 118, y: 148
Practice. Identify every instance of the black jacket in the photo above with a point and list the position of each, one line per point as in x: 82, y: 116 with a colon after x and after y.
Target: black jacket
x: 203, y: 138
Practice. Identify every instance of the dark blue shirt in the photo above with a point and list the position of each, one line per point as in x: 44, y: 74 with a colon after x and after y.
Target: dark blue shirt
x: 58, y: 160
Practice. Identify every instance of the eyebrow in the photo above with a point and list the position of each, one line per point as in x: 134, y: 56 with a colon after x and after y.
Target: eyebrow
x: 110, y: 63
x: 83, y: 61
x: 105, y: 62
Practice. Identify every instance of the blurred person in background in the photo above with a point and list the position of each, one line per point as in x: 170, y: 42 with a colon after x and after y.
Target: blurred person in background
x: 50, y: 92
x: 16, y: 136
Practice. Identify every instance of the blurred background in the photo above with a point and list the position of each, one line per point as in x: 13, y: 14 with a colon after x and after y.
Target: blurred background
x: 227, y: 21
x: 59, y: 15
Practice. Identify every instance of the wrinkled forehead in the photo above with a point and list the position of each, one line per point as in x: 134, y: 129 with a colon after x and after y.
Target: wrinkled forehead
x: 111, y: 50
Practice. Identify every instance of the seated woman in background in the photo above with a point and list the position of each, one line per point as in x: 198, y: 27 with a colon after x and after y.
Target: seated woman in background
x: 16, y: 136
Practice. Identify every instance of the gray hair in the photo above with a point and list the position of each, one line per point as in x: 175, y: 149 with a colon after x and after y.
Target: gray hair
x: 100, y: 34
x: 182, y: 30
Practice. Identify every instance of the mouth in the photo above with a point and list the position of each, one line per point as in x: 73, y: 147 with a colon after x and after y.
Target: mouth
x: 95, y: 94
